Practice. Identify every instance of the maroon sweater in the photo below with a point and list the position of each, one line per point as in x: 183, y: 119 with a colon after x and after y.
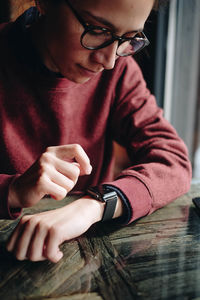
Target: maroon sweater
x: 39, y: 111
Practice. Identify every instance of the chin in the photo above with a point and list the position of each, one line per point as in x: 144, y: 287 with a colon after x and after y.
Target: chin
x: 82, y: 80
x: 77, y: 79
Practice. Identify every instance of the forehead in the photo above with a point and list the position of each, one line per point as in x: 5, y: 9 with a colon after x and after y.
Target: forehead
x: 131, y: 14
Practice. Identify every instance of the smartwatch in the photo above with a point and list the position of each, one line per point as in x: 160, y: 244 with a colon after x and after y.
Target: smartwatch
x: 109, y: 197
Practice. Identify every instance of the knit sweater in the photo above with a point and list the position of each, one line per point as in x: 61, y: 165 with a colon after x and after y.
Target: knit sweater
x: 38, y: 110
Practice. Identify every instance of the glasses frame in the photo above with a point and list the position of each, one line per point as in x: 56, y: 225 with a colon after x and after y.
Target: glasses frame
x: 121, y: 39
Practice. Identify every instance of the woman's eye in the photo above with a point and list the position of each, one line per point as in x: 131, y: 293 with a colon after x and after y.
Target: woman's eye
x: 130, y: 35
x: 98, y: 31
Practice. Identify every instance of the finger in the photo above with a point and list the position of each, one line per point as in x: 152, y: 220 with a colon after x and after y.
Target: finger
x: 63, y: 181
x: 12, y: 239
x: 56, y: 191
x: 76, y: 152
x: 36, y: 245
x: 52, y: 251
x: 68, y: 169
x: 16, y: 233
x: 82, y: 171
x: 23, y: 237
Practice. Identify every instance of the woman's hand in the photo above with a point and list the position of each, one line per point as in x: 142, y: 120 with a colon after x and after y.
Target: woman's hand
x: 37, y: 237
x: 55, y: 173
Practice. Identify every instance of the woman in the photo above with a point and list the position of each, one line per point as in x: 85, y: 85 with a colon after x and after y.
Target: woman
x: 68, y: 88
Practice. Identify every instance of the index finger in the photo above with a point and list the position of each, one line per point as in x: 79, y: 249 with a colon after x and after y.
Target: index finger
x: 73, y: 152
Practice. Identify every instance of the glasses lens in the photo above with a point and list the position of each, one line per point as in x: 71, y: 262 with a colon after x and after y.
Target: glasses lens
x: 94, y: 38
x: 131, y: 47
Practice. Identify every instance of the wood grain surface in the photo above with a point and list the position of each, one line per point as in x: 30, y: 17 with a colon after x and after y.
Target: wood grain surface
x: 157, y: 257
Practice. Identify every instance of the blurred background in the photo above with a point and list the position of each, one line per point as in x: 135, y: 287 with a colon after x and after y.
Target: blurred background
x: 171, y: 67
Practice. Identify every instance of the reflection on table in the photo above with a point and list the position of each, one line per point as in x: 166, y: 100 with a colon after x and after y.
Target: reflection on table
x: 157, y: 257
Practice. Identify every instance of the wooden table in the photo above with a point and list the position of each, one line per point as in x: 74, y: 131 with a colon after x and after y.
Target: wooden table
x: 157, y: 257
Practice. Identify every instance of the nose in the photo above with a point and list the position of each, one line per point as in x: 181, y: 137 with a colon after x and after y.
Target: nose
x: 106, y: 56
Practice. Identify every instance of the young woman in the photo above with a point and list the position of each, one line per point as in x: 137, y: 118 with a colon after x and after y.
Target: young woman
x: 69, y: 87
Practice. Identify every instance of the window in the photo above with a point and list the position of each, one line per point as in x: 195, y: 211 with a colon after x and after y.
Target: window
x: 181, y: 93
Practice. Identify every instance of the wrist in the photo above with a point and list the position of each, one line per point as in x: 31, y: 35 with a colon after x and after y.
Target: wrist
x: 12, y: 197
x: 119, y: 210
x: 106, y: 195
x: 94, y: 207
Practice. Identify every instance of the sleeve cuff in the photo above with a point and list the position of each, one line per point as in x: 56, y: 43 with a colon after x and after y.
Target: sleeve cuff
x: 5, y: 211
x: 127, y: 207
x: 136, y: 195
x: 14, y: 213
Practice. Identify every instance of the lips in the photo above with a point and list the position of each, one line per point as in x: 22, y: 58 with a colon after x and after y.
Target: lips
x: 94, y: 71
x: 90, y: 72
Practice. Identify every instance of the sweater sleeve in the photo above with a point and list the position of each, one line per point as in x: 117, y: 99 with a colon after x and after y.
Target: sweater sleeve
x: 5, y: 211
x: 160, y: 170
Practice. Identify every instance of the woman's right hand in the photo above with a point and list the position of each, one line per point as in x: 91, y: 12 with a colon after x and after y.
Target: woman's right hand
x: 55, y: 173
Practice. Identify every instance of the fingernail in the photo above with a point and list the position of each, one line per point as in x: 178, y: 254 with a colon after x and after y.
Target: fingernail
x: 59, y: 255
x: 89, y: 170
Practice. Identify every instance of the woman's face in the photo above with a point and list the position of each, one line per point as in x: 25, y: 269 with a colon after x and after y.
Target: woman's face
x: 58, y: 35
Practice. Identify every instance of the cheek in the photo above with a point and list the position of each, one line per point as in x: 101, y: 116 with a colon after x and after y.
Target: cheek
x: 71, y: 54
x: 65, y: 40
x: 68, y: 46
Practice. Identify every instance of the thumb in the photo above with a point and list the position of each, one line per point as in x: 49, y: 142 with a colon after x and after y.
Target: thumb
x: 85, y: 171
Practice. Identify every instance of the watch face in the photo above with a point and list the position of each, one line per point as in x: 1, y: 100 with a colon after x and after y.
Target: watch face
x: 102, y: 193
x: 94, y: 192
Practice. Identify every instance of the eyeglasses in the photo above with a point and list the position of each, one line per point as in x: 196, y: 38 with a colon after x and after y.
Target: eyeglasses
x: 96, y: 37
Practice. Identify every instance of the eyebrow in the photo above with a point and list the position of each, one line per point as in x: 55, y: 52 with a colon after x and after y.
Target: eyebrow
x: 107, y: 23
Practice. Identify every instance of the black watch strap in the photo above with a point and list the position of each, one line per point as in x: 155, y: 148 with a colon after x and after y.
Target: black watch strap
x: 104, y: 194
